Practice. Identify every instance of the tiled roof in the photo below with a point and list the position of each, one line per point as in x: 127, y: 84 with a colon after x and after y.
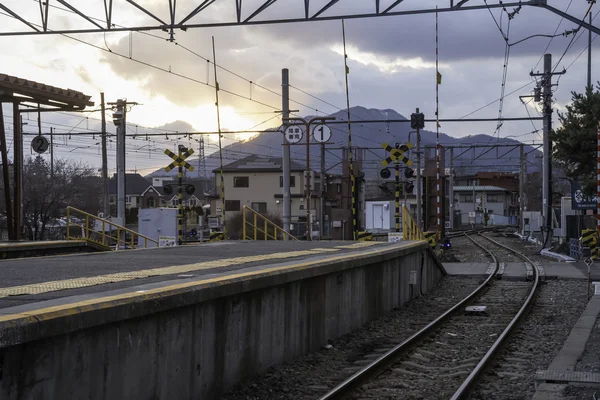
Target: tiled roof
x: 256, y: 163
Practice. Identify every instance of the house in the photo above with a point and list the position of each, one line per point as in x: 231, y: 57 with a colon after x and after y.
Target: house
x: 257, y: 182
x: 139, y: 192
x: 496, y: 200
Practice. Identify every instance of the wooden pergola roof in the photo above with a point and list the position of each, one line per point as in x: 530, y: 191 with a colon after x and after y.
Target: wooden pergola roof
x: 14, y: 89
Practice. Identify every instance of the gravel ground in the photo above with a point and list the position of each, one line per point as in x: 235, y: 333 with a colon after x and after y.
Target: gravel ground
x: 313, y: 375
x: 580, y: 393
x: 463, y: 250
x: 536, y: 342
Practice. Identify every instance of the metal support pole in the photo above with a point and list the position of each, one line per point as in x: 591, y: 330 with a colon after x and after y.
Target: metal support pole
x: 121, y: 165
x: 397, y: 198
x: 308, y: 194
x: 181, y: 149
x: 323, y: 186
x: 105, y: 204
x: 52, y: 152
x: 598, y: 186
x: 451, y: 188
x: 287, y: 196
x: 18, y: 171
x: 419, y: 183
x: 522, y: 179
x: 6, y: 177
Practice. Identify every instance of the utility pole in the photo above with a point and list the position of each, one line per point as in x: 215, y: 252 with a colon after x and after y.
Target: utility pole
x: 522, y: 188
x: 547, y: 145
x: 589, y: 71
x: 397, y: 191
x: 285, y: 107
x: 105, y: 205
x: 451, y: 188
x: 18, y: 170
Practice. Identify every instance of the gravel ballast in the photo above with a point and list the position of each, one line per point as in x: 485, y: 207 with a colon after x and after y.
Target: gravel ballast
x: 313, y: 375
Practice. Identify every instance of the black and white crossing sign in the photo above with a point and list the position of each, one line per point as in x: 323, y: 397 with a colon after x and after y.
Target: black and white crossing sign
x: 588, y: 261
x: 294, y: 134
x: 39, y: 144
x: 322, y: 133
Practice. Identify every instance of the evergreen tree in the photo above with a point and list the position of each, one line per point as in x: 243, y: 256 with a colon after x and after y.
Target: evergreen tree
x: 575, y: 143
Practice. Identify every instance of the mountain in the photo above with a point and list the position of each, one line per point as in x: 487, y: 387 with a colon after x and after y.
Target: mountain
x: 370, y: 136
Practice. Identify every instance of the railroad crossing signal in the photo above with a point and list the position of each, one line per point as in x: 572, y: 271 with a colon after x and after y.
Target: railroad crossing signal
x: 397, y: 153
x: 417, y: 120
x: 179, y: 160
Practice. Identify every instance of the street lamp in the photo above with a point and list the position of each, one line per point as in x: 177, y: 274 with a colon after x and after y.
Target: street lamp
x: 307, y: 124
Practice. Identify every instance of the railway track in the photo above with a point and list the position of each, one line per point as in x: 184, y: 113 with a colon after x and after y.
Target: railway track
x: 446, y: 357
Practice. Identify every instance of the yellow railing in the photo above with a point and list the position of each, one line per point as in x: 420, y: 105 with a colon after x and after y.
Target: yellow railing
x: 410, y: 229
x: 102, y: 238
x: 260, y: 224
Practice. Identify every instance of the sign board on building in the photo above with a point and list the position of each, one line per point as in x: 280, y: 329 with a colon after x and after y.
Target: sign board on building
x: 214, y: 222
x: 579, y: 201
x: 394, y: 237
x: 167, y: 241
x: 337, y: 224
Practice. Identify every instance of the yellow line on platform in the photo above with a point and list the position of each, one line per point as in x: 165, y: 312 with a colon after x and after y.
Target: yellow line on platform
x: 75, y: 283
x: 108, y: 301
x: 358, y: 245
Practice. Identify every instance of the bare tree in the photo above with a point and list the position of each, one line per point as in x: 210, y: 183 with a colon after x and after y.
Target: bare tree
x: 46, y: 193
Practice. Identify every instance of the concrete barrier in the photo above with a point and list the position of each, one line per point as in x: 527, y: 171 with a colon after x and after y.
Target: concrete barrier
x: 197, y: 339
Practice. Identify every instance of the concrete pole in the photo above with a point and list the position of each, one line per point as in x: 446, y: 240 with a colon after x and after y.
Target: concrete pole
x: 18, y: 170
x: 105, y: 204
x: 121, y: 165
x: 451, y: 188
x: 547, y: 145
x: 589, y: 70
x: 308, y: 193
x: 323, y: 186
x: 287, y: 197
x: 419, y: 183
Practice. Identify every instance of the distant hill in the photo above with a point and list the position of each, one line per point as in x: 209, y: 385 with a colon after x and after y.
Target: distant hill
x: 370, y: 136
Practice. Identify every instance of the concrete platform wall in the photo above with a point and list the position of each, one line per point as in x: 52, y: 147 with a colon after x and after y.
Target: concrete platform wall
x: 198, y: 343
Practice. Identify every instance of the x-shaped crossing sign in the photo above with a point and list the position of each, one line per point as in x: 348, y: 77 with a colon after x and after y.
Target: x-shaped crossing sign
x: 397, y: 154
x: 179, y: 160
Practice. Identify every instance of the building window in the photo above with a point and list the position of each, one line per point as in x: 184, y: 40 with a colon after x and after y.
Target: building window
x: 174, y: 201
x: 232, y: 205
x: 150, y: 202
x: 339, y: 188
x: 192, y: 202
x: 241, y: 181
x: 493, y: 198
x: 292, y: 181
x: 466, y: 198
x: 260, y: 207
x: 128, y: 199
x: 301, y: 207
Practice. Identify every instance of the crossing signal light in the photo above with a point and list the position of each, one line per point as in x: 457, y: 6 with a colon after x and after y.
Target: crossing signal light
x: 385, y: 173
x: 168, y: 189
x: 409, y: 173
x: 409, y: 187
x: 190, y: 189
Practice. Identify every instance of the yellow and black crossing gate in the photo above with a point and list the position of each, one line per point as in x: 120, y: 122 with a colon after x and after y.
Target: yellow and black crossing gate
x: 590, y: 239
x: 397, y: 156
x: 431, y: 238
x: 180, y: 163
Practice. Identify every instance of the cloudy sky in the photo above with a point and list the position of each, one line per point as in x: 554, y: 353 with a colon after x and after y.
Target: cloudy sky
x: 391, y: 60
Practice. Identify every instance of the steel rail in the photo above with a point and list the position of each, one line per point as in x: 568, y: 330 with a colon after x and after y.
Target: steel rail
x: 388, y: 358
x: 469, y: 382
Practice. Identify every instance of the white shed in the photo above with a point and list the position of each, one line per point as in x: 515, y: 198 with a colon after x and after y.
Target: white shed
x: 379, y: 216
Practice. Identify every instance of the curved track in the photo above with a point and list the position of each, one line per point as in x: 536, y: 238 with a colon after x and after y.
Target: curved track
x: 445, y: 358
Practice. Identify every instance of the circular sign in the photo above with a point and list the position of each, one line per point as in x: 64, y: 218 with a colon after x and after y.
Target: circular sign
x: 322, y: 133
x: 39, y: 144
x: 294, y: 134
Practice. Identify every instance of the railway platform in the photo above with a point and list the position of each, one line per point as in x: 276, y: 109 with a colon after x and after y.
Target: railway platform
x: 103, y: 325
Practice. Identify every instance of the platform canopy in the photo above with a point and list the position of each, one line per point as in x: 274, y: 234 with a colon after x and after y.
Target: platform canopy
x: 13, y: 89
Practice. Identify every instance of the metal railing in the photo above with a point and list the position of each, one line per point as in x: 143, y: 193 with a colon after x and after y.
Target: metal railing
x: 410, y: 229
x: 125, y: 237
x: 260, y: 224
